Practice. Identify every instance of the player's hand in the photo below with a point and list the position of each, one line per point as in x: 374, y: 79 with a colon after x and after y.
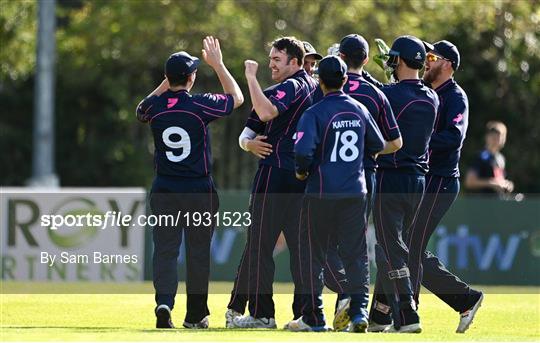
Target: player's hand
x: 258, y: 147
x: 251, y: 68
x: 507, y: 186
x: 301, y: 177
x: 212, y: 52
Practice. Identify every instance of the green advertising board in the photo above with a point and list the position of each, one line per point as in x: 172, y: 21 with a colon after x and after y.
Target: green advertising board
x: 482, y: 240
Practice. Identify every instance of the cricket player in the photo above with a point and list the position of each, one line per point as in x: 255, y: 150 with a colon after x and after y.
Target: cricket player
x: 311, y: 58
x: 354, y: 50
x: 400, y: 183
x: 252, y: 139
x: 331, y: 139
x: 183, y: 183
x: 442, y: 186
x: 276, y: 194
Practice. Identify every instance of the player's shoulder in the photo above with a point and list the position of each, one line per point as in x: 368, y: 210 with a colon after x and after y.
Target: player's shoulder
x: 209, y: 97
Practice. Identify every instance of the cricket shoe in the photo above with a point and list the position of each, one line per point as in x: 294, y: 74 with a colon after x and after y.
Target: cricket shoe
x: 411, y: 323
x: 229, y: 318
x: 298, y: 325
x: 341, y: 317
x: 163, y: 317
x: 359, y: 324
x: 248, y: 322
x: 203, y: 324
x: 467, y: 317
x: 410, y: 328
x: 380, y: 319
x: 376, y: 327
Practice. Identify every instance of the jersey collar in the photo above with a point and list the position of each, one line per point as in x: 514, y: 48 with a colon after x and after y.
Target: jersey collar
x: 444, y: 85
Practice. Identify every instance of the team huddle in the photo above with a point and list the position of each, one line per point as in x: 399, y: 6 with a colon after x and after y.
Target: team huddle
x: 334, y: 145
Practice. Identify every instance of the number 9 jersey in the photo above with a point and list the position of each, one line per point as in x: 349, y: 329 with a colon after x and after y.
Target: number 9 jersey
x: 331, y: 139
x: 179, y: 123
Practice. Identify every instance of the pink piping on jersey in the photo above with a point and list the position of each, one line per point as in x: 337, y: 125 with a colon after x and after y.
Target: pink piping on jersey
x: 260, y: 236
x: 439, y: 113
x: 277, y: 100
x: 367, y: 96
x: 289, y: 125
x: 203, y: 127
x: 213, y: 115
x: 216, y: 109
x: 410, y: 103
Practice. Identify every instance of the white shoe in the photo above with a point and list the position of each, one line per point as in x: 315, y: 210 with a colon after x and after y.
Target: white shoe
x: 341, y: 317
x: 411, y: 328
x: 229, y: 318
x: 376, y: 327
x: 299, y: 325
x: 467, y: 317
x: 203, y: 324
x: 248, y: 322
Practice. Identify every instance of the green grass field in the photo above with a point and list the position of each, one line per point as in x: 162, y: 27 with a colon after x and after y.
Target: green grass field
x: 507, y: 314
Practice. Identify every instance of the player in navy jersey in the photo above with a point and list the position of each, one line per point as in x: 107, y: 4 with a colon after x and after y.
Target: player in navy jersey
x: 276, y: 194
x: 442, y: 186
x: 183, y: 182
x: 332, y: 138
x: 354, y: 50
x: 311, y: 58
x: 399, y: 187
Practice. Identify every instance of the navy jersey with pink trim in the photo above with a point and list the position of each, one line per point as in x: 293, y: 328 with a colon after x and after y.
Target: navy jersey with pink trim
x: 415, y: 106
x: 379, y: 108
x: 291, y: 97
x: 331, y: 139
x: 450, y: 130
x: 179, y: 123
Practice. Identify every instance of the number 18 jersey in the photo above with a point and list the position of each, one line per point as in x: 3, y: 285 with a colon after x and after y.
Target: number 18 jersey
x: 331, y: 139
x: 179, y: 123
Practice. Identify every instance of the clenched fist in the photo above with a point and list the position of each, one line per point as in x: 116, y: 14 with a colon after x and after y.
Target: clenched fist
x: 251, y: 68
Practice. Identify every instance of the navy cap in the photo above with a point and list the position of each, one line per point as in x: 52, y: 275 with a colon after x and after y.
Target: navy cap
x: 411, y: 49
x: 181, y: 63
x: 332, y: 68
x: 447, y: 50
x: 353, y: 44
x: 310, y: 51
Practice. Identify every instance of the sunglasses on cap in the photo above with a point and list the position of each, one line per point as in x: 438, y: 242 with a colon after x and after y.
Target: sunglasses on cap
x: 434, y: 58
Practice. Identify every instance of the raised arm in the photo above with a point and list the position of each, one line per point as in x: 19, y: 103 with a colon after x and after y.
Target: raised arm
x: 262, y: 105
x: 212, y: 55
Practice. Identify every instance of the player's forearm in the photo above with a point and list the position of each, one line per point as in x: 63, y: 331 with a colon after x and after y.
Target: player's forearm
x: 392, y: 146
x: 264, y: 108
x: 162, y: 88
x: 244, y: 138
x: 229, y: 84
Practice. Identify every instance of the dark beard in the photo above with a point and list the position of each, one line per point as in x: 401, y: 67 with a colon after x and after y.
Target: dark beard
x: 432, y: 75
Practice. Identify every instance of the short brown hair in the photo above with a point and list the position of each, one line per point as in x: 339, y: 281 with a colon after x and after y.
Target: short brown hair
x: 293, y: 47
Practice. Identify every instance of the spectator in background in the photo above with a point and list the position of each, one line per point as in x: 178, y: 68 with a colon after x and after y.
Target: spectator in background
x: 488, y: 174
